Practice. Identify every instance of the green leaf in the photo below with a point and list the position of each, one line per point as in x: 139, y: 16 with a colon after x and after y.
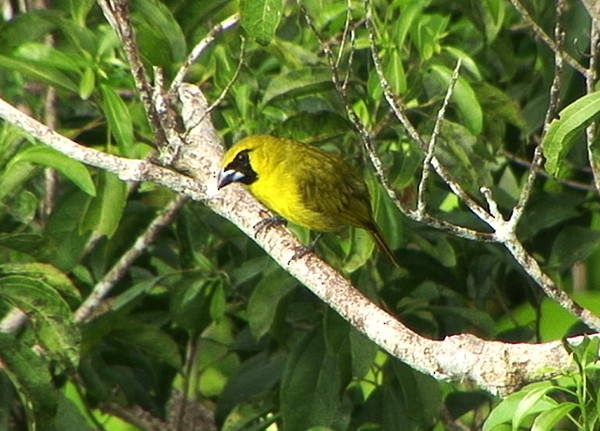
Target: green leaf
x: 159, y: 35
x: 45, y: 74
x: 105, y: 210
x: 218, y: 302
x: 46, y: 156
x: 80, y: 9
x: 427, y: 32
x: 543, y: 213
x: 463, y: 96
x: 29, y: 373
x: 492, y: 14
x: 192, y: 302
x: 410, y: 13
x: 479, y: 319
x: 563, y: 131
x: 253, y: 415
x: 13, y: 177
x: 256, y: 375
x: 394, y: 72
x: 118, y: 118
x: 421, y: 395
x: 297, y: 82
x: 546, y: 420
x: 51, y: 317
x: 87, y: 83
x: 312, y: 126
x: 25, y: 27
x: 310, y: 386
x: 363, y: 352
x: 535, y: 401
x: 44, y: 55
x: 264, y: 301
x: 573, y: 244
x: 150, y: 340
x: 359, y: 248
x: 24, y: 242
x: 504, y: 412
x: 260, y: 18
x: 457, y: 149
x: 49, y: 275
x: 466, y: 61
x: 69, y: 417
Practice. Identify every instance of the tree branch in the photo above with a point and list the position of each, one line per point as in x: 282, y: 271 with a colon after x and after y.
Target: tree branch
x: 103, y: 288
x: 495, y: 366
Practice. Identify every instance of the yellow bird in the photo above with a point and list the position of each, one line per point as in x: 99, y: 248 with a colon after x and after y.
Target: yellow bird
x: 303, y: 184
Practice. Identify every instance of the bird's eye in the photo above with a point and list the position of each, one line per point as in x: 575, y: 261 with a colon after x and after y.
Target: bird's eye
x: 242, y: 158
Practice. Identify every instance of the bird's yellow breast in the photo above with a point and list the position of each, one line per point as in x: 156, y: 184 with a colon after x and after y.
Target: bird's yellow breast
x: 285, y: 171
x: 304, y: 184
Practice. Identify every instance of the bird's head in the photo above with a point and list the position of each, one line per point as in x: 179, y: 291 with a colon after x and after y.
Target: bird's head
x: 237, y: 163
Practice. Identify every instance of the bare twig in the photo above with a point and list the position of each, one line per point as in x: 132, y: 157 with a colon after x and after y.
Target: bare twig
x: 348, y: 33
x: 117, y: 14
x: 13, y: 321
x: 430, y: 148
x: 370, y: 149
x: 591, y: 81
x: 103, y: 288
x: 547, y: 39
x: 568, y: 183
x: 400, y: 113
x: 504, y: 231
x: 50, y: 175
x: 227, y: 87
x: 551, y: 113
x: 200, y: 47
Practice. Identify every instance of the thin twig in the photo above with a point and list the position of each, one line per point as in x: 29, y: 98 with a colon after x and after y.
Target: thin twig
x: 117, y: 14
x: 527, y: 164
x: 357, y: 123
x: 400, y: 113
x: 13, y: 321
x: 348, y: 30
x: 431, y: 144
x: 551, y: 113
x: 547, y: 39
x: 227, y: 88
x: 366, y: 137
x: 504, y: 232
x: 103, y: 288
x: 50, y: 174
x: 590, y: 81
x: 199, y: 49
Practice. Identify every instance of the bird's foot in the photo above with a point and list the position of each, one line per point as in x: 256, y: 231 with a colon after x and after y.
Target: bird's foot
x: 268, y: 223
x: 303, y: 250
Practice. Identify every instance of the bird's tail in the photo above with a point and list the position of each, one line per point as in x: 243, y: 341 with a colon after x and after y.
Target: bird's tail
x: 383, y: 246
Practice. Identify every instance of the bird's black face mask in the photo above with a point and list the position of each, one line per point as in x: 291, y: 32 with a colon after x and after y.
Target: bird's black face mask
x: 238, y: 171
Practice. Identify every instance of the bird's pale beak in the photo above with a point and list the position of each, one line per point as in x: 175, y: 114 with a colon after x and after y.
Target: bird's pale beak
x: 228, y: 176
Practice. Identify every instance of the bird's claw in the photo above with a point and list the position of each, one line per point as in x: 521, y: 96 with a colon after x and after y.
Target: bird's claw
x: 301, y: 251
x: 268, y: 223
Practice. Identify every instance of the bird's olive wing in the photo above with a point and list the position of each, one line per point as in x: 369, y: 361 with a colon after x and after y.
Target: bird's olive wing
x: 335, y: 190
